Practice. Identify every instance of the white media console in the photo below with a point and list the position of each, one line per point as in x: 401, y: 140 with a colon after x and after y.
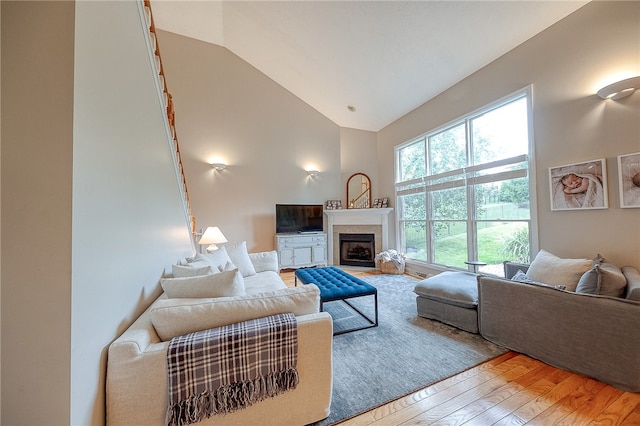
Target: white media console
x: 301, y: 250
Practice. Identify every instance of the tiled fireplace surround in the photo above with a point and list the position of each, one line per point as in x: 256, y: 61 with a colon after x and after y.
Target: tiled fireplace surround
x: 356, y: 221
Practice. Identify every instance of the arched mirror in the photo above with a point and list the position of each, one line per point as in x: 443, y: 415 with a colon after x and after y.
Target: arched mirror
x: 359, y: 191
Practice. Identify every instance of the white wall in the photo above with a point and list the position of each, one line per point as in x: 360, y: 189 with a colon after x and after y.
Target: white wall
x: 566, y: 64
x: 92, y: 214
x: 358, y: 154
x: 228, y: 111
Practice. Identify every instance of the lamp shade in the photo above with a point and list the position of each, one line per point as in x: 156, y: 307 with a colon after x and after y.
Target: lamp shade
x: 212, y: 235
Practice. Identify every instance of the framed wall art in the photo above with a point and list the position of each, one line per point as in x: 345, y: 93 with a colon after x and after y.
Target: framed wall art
x: 629, y: 180
x: 579, y: 186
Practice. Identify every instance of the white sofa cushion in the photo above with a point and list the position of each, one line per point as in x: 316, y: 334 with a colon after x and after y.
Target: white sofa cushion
x: 218, y: 258
x: 239, y: 255
x: 227, y: 283
x: 263, y: 281
x: 551, y: 269
x: 179, y: 271
x: 175, y: 317
x: 197, y: 261
x: 265, y: 261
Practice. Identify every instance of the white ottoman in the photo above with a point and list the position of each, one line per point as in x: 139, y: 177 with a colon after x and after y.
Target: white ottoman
x: 451, y: 298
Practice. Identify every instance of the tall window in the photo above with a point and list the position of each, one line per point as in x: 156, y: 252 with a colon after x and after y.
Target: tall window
x: 462, y: 191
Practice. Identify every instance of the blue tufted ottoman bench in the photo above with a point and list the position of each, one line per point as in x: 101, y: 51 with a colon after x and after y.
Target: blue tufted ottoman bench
x: 335, y: 284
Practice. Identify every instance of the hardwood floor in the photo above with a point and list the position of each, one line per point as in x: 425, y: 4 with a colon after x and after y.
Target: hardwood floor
x: 511, y: 389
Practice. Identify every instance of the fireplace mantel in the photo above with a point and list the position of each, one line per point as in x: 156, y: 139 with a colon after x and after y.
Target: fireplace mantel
x: 373, y: 216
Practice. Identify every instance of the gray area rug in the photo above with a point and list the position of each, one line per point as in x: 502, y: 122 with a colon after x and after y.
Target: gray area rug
x: 403, y: 354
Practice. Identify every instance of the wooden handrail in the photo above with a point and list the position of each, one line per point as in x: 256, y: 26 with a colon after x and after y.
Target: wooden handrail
x: 170, y: 111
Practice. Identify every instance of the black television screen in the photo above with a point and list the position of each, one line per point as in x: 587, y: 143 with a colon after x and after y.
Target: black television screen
x: 298, y: 218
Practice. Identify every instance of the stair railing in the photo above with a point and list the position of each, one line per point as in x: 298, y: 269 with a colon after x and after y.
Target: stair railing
x: 361, y: 201
x: 166, y: 99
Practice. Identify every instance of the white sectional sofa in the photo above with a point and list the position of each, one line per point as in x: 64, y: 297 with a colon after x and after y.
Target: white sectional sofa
x: 136, y: 386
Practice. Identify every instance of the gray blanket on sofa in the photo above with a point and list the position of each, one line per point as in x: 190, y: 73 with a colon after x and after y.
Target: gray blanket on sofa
x: 227, y: 368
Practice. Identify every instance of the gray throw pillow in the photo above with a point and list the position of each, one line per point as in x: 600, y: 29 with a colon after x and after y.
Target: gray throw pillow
x: 612, y: 281
x: 633, y: 278
x: 590, y: 281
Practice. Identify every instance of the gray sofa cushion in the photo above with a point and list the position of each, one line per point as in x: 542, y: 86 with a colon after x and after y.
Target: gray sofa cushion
x: 612, y: 281
x: 590, y: 281
x: 463, y: 318
x: 604, y: 278
x: 454, y: 288
x: 633, y: 282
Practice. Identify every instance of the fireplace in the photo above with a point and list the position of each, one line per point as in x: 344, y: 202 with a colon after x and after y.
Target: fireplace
x: 356, y: 221
x: 357, y: 249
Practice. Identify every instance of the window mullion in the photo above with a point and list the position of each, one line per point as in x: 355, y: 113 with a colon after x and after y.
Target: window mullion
x: 428, y: 199
x: 472, y: 252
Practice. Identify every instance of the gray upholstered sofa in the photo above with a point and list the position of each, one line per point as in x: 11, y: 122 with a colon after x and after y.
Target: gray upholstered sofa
x: 590, y: 334
x: 581, y: 315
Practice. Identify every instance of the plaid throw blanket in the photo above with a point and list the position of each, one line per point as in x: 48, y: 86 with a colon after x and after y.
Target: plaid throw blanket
x: 225, y: 369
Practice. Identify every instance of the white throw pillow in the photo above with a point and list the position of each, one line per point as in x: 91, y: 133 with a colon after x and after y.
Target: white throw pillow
x: 179, y: 271
x: 218, y: 258
x: 198, y: 261
x: 551, y: 269
x: 173, y: 317
x: 227, y: 283
x: 240, y: 257
x: 228, y: 267
x: 265, y: 261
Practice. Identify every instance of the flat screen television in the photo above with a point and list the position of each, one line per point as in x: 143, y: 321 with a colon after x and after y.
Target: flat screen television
x: 298, y: 218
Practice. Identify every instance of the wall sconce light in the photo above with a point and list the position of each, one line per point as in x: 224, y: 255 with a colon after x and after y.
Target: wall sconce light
x: 212, y: 236
x: 313, y: 173
x: 218, y: 166
x: 621, y: 89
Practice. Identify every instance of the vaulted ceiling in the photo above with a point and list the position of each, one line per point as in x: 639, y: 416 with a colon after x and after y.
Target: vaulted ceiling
x: 363, y: 64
